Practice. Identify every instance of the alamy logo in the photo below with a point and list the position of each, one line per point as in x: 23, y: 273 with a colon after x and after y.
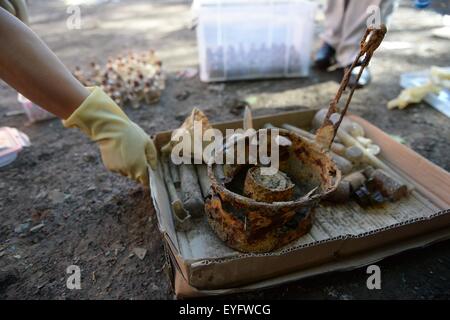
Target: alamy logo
x: 74, y: 280
x: 74, y: 20
x: 374, y: 17
x: 374, y: 280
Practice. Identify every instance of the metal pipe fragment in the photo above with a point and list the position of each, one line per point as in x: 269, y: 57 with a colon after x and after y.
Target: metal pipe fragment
x: 205, y: 182
x: 219, y: 173
x: 387, y: 185
x: 354, y: 154
x: 342, y: 163
x: 174, y: 173
x: 348, y: 140
x: 355, y: 179
x: 190, y: 188
x: 341, y: 194
x: 269, y: 126
x: 181, y: 216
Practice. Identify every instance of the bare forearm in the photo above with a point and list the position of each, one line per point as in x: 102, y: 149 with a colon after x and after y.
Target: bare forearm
x: 29, y: 66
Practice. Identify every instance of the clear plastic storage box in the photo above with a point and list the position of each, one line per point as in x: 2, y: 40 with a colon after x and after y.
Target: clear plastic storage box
x: 254, y: 39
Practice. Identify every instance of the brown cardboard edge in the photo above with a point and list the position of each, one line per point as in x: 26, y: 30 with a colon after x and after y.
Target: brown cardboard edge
x: 331, y: 249
x: 274, y: 265
x: 180, y: 265
x: 184, y: 290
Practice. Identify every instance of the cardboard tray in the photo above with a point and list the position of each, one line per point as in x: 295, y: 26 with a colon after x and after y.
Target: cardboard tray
x: 342, y: 237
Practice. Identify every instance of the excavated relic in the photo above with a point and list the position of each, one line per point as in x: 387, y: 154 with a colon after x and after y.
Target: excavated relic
x: 278, y: 208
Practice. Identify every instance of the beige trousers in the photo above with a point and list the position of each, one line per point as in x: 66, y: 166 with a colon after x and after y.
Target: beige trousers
x: 346, y: 22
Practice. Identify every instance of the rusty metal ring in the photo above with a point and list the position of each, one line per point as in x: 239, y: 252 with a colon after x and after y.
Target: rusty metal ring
x: 304, y: 201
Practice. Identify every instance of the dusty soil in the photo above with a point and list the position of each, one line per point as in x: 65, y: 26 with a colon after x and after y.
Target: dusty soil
x: 96, y: 220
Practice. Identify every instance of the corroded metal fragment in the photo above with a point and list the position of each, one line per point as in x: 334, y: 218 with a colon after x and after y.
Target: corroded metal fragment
x: 268, y: 188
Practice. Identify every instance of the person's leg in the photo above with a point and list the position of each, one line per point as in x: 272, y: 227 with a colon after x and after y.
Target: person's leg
x: 354, y: 24
x: 334, y: 15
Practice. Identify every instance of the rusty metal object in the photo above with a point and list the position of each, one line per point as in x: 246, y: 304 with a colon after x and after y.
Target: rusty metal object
x: 388, y: 186
x: 369, y: 43
x: 248, y: 225
x: 181, y: 217
x: 191, y: 190
x: 274, y: 188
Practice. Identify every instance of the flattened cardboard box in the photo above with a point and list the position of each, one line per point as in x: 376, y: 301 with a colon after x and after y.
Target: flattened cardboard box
x: 342, y: 237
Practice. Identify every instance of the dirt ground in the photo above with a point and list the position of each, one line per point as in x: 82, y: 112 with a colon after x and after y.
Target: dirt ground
x: 95, y: 219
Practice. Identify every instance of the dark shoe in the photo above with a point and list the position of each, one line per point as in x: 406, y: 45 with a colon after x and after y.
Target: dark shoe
x: 324, y: 57
x: 364, y: 80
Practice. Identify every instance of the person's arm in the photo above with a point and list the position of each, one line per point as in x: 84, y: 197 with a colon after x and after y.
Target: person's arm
x: 29, y: 66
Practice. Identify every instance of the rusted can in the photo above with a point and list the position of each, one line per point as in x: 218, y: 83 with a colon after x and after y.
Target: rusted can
x: 249, y: 225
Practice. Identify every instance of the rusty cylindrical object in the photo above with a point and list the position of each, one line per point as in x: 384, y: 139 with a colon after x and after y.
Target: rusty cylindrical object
x: 248, y: 225
x: 276, y: 188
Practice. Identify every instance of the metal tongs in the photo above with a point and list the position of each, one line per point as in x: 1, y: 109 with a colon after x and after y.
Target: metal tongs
x: 369, y: 43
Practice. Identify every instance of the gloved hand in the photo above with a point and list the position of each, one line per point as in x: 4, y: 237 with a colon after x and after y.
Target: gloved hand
x: 124, y: 146
x: 17, y: 8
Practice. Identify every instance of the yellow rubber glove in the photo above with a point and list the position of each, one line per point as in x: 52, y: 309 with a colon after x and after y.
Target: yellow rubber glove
x: 125, y: 147
x: 17, y: 8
